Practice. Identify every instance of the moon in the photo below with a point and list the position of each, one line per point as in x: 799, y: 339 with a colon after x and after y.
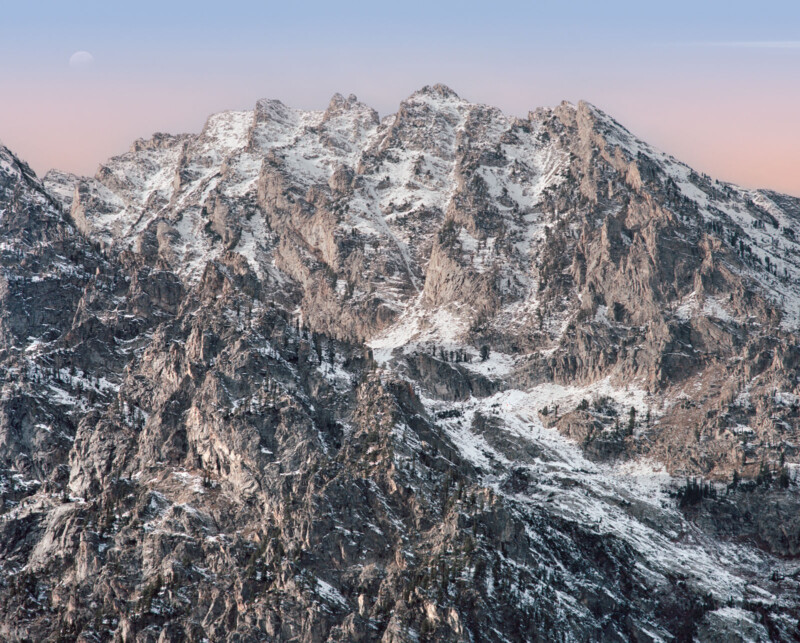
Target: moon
x: 80, y: 59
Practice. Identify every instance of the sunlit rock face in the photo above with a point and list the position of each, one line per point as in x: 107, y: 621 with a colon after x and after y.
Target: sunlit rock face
x: 443, y: 375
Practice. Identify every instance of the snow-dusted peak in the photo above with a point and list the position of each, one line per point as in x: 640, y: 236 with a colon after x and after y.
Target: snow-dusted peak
x: 61, y: 185
x: 339, y: 106
x: 228, y: 131
x: 8, y: 162
x: 270, y: 109
x: 436, y: 99
x: 427, y: 121
x: 12, y: 167
x: 437, y: 92
x: 19, y: 180
x: 610, y: 128
x: 158, y: 141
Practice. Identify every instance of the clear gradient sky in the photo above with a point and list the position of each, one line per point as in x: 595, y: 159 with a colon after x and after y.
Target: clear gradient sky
x: 715, y: 83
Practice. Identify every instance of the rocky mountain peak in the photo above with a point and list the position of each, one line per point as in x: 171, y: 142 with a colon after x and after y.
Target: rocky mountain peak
x: 14, y: 169
x: 438, y: 91
x: 350, y: 115
x: 451, y: 375
x: 268, y: 109
x: 157, y: 141
x: 339, y: 104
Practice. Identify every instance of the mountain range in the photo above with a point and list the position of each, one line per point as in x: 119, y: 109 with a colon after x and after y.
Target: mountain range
x: 445, y: 375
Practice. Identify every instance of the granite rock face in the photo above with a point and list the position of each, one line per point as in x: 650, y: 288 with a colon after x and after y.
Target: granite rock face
x: 443, y: 375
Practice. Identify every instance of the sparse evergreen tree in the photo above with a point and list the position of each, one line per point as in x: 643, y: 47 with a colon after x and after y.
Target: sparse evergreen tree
x: 734, y: 480
x: 783, y: 478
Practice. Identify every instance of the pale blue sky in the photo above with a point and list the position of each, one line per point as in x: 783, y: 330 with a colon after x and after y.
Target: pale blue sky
x: 715, y: 83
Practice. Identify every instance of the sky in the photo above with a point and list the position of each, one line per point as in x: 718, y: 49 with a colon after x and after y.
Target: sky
x: 716, y: 84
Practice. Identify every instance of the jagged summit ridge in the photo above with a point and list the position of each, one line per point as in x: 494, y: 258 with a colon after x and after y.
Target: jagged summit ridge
x: 436, y: 158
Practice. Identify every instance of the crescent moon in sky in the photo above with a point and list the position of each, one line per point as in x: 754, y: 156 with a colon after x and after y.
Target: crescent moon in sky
x: 80, y: 59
